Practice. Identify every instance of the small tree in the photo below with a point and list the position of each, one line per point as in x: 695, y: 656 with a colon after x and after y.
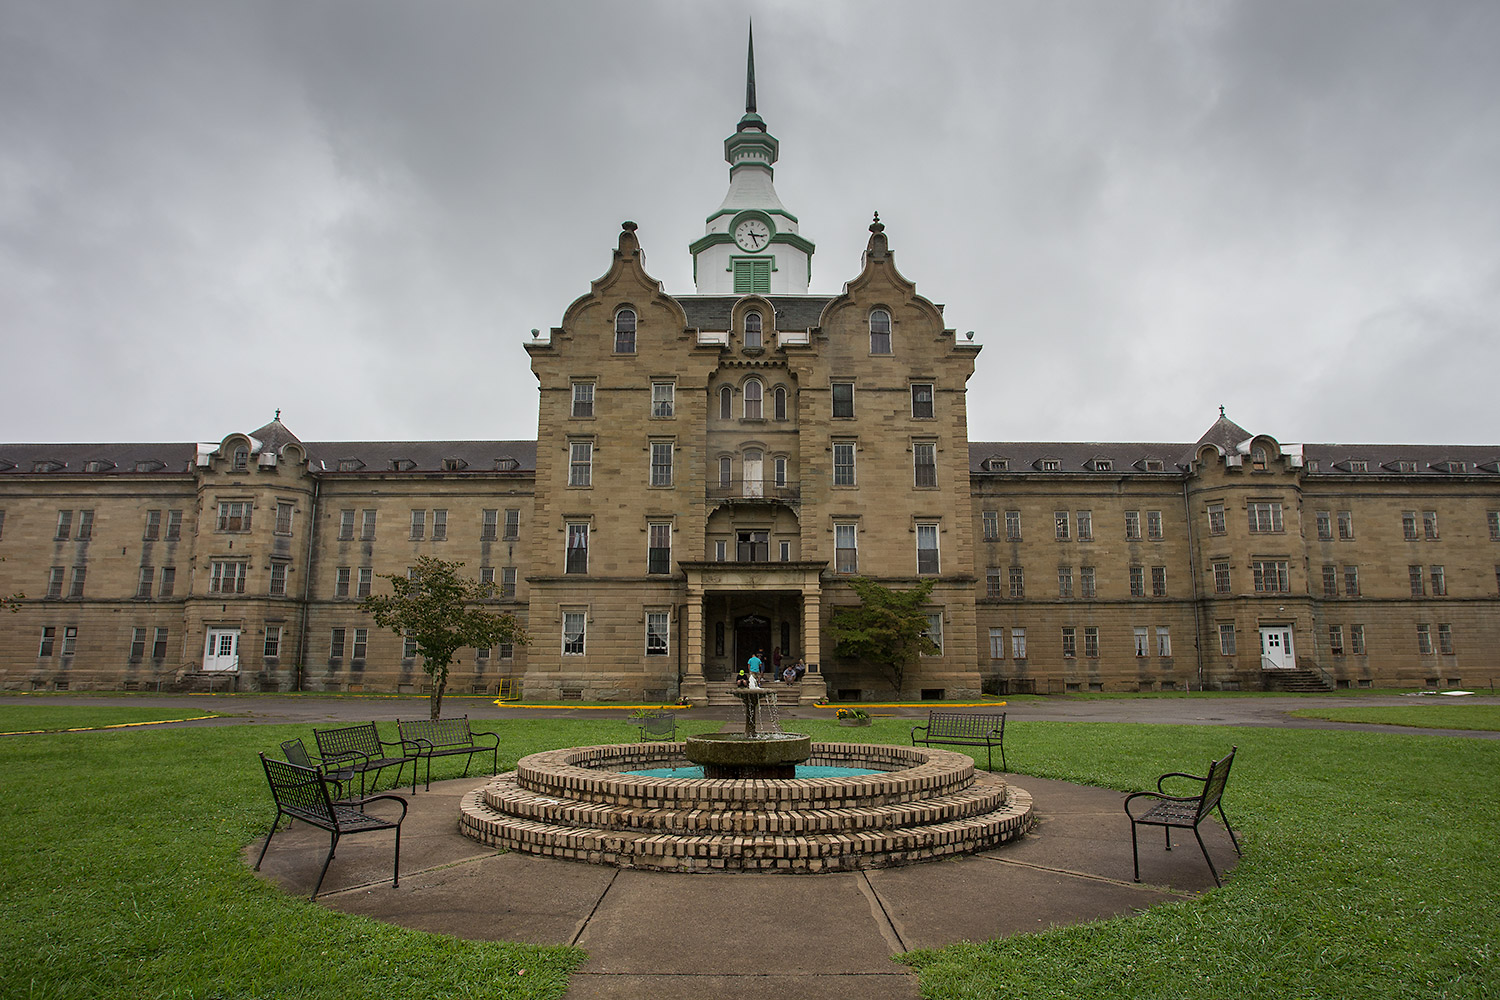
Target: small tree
x: 12, y: 603
x: 437, y: 609
x: 888, y: 627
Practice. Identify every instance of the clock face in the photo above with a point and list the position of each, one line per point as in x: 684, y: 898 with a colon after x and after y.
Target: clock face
x: 752, y: 234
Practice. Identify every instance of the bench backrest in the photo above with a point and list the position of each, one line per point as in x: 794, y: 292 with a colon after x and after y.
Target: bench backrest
x: 438, y: 732
x: 964, y: 724
x: 362, y: 739
x: 300, y: 792
x: 295, y: 752
x: 1213, y: 785
x: 659, y: 726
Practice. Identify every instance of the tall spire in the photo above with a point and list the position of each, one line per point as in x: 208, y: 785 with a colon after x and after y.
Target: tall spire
x: 750, y: 73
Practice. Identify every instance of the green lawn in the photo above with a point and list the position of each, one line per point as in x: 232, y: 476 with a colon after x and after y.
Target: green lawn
x: 30, y: 718
x: 1426, y: 715
x: 1369, y: 871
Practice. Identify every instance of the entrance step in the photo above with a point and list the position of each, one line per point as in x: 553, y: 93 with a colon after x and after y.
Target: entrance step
x: 1296, y: 681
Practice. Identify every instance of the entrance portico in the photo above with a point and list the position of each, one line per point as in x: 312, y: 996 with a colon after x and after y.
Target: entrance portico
x: 730, y: 605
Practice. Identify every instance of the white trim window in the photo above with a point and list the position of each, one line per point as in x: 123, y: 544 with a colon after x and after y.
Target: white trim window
x: 578, y: 548
x: 659, y: 547
x: 934, y: 631
x: 661, y: 463
x: 753, y: 327
x: 580, y: 463
x: 754, y: 397
x: 574, y: 633
x: 1264, y: 517
x: 843, y: 463
x: 846, y: 547
x: 227, y: 577
x: 921, y: 401
x: 924, y: 464
x: 234, y: 515
x: 880, y: 331
x: 663, y: 399
x: 625, y: 331
x: 658, y: 633
x: 927, y: 549
x: 583, y: 399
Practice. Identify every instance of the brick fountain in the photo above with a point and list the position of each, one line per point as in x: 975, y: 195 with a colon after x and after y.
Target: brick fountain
x: 579, y: 804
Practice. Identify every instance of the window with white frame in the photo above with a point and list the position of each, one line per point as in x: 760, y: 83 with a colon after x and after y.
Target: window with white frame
x: 1439, y: 581
x: 625, y: 331
x: 174, y: 525
x: 153, y: 525
x: 580, y: 463
x: 1493, y: 517
x: 146, y: 579
x: 1429, y: 525
x: 991, y: 521
x: 583, y: 399
x: 1324, y: 521
x: 1226, y: 640
x: 1272, y: 576
x: 277, y: 586
x: 1346, y: 525
x: 1445, y: 639
x: 507, y: 583
x: 69, y: 640
x: 1069, y: 642
x: 284, y: 518
x: 346, y: 525
x: 993, y: 584
x: 845, y: 547
x: 1153, y: 525
x: 1017, y: 582
x: 843, y: 463
x: 341, y: 578
x: 271, y: 648
x: 657, y: 633
x: 1061, y: 521
x: 367, y: 526
x: 1065, y: 581
x: 137, y: 644
x: 1137, y: 581
x: 1330, y: 580
x: 49, y: 637
x: 1216, y: 523
x: 1264, y: 517
x: 753, y: 331
x: 754, y: 396
x: 1158, y: 581
x: 361, y: 646
x: 1142, y: 641
x: 927, y: 549
x: 661, y: 463
x: 1132, y: 524
x: 880, y: 331
x: 337, y: 642
x: 64, y: 525
x: 512, y: 524
x: 924, y: 460
x: 1085, y: 522
x: 418, y: 525
x: 1357, y: 639
x: 159, y: 643
x: 1091, y: 642
x: 227, y: 577
x: 1409, y: 525
x: 1012, y: 526
x: 234, y: 515
x: 997, y: 643
x: 921, y: 400
x: 1221, y: 578
x: 440, y: 525
x: 1418, y: 582
x: 1018, y: 643
x: 663, y: 399
x: 1086, y: 584
x: 168, y: 581
x: 934, y: 631
x: 659, y: 547
x: 1424, y: 639
x: 1351, y: 581
x: 364, y: 582
x: 1336, y: 640
x: 843, y: 399
x: 1163, y: 640
x: 489, y: 524
x: 574, y: 633
x: 578, y: 547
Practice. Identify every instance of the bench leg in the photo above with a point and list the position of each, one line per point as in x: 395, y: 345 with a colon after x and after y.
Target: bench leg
x: 1232, y: 840
x: 266, y: 846
x: 1204, y: 848
x: 333, y: 843
x: 1135, y: 852
x: 396, y: 865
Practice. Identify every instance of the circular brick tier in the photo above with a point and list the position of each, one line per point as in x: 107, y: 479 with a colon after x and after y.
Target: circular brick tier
x: 575, y: 804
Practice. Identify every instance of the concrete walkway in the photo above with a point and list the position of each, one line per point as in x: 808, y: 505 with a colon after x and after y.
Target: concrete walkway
x: 732, y: 936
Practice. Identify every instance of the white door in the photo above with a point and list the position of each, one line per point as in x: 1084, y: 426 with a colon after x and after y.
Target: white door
x: 222, y: 650
x: 1276, y: 651
x: 754, y: 474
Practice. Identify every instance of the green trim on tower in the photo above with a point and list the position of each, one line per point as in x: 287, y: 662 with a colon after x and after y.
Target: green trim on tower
x: 783, y: 213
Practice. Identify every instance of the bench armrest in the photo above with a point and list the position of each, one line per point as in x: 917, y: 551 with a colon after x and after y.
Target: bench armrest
x: 915, y: 729
x: 474, y: 736
x: 379, y: 798
x: 1178, y: 774
x: 1158, y: 797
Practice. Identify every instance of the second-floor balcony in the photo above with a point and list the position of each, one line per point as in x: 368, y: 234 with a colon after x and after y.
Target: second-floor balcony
x: 755, y: 491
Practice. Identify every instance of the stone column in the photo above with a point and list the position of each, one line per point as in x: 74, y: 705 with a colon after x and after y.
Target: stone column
x: 694, y: 685
x: 814, y: 687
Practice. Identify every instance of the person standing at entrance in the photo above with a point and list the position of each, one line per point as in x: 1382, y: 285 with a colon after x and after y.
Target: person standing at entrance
x: 754, y: 664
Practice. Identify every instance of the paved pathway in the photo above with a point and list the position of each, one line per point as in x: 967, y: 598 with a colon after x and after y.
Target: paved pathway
x: 733, y: 936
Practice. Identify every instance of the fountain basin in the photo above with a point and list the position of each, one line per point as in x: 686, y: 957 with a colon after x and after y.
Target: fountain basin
x: 581, y: 804
x: 735, y: 755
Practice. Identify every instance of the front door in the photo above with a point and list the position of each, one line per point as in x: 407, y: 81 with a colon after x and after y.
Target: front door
x: 1276, y: 651
x: 222, y: 650
x: 752, y: 634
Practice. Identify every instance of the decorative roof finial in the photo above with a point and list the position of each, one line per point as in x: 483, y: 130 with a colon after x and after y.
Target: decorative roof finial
x: 1221, y: 411
x: 877, y: 226
x: 278, y: 413
x: 750, y: 73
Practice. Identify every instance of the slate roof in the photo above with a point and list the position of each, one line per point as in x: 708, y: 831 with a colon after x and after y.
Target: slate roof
x: 1074, y: 457
x: 113, y: 458
x: 793, y: 312
x: 422, y: 456
x: 126, y: 458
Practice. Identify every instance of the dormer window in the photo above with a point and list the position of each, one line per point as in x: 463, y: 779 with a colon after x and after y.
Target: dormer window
x: 1154, y: 465
x: 1258, y: 459
x: 350, y: 465
x: 1358, y: 466
x: 454, y: 465
x: 149, y: 465
x: 625, y: 331
x: 997, y: 465
x: 98, y: 465
x: 399, y: 465
x: 506, y: 465
x: 1104, y: 465
x: 752, y: 331
x: 1051, y: 465
x: 880, y: 332
x: 241, y: 459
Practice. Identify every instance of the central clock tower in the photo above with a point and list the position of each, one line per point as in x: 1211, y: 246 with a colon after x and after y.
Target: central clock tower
x: 751, y: 243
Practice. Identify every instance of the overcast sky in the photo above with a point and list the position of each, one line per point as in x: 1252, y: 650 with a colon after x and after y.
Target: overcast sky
x: 357, y: 211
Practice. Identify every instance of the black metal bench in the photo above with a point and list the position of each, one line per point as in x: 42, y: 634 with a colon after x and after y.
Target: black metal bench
x: 429, y: 738
x: 361, y: 750
x: 295, y: 752
x: 658, y: 726
x: 973, y: 729
x: 1185, y: 811
x: 302, y: 793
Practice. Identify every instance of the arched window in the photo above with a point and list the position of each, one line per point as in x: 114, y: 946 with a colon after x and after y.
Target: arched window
x: 755, y: 470
x: 880, y: 332
x: 241, y: 459
x: 752, y: 330
x: 781, y: 402
x: 726, y: 471
x: 1258, y: 459
x: 625, y: 331
x: 726, y: 403
x: 752, y: 400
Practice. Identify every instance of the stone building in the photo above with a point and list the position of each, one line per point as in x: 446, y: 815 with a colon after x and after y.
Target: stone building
x: 709, y: 471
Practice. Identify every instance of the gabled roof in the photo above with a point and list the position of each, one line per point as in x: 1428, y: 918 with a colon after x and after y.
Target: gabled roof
x: 1075, y: 457
x: 112, y: 458
x: 423, y: 456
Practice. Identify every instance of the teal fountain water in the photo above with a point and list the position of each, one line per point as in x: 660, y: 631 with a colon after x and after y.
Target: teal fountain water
x: 761, y: 751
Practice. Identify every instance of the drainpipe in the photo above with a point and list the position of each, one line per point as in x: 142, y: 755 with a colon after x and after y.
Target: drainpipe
x: 307, y: 578
x: 1193, y: 571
